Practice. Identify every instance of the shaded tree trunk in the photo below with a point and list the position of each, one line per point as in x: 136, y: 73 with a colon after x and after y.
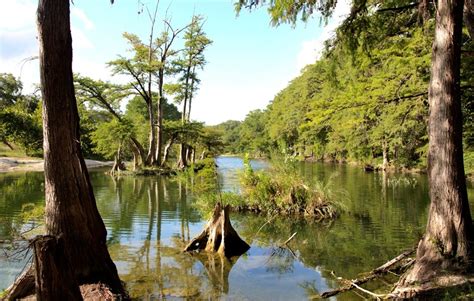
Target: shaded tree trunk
x: 138, y: 150
x: 447, y: 245
x: 150, y: 158
x: 54, y: 278
x: 191, y: 92
x: 384, y: 155
x: 193, y: 156
x: 159, y: 131
x: 203, y: 155
x: 182, y: 162
x: 71, y: 210
x: 118, y: 163
x: 167, y: 150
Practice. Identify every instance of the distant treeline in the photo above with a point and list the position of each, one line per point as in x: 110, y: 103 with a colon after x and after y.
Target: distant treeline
x: 364, y: 100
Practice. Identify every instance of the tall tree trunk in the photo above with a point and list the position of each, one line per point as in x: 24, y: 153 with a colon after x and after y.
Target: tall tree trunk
x: 71, y: 210
x: 448, y: 242
x: 159, y: 129
x: 191, y: 89
x: 182, y: 162
x: 150, y: 158
x: 54, y: 279
x: 167, y: 150
x: 138, y: 153
x: 384, y: 154
x: 193, y: 155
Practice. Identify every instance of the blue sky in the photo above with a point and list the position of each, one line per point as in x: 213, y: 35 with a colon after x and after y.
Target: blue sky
x: 249, y: 61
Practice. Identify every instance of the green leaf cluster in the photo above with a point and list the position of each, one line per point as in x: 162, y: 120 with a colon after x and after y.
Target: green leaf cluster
x: 20, y: 117
x: 365, y: 99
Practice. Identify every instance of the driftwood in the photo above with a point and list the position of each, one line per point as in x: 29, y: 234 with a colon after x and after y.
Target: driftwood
x: 219, y: 236
x: 381, y: 270
x: 54, y: 280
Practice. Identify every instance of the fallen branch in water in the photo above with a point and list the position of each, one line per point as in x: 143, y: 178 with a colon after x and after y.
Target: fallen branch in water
x: 262, y: 226
x: 289, y: 239
x: 376, y: 296
x: 381, y: 270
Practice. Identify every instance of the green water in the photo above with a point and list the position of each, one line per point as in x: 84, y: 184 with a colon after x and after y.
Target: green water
x: 150, y: 219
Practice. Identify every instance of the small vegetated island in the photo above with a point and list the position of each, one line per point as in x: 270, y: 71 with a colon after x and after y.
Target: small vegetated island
x: 393, y: 89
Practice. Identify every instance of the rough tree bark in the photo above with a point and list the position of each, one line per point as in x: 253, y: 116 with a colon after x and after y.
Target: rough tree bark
x: 150, y: 158
x: 182, y: 162
x: 447, y: 245
x: 71, y: 210
x: 118, y: 163
x: 219, y: 236
x: 54, y: 278
x: 167, y: 150
x: 159, y: 119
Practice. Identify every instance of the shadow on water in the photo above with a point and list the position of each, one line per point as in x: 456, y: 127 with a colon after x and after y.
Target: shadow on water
x: 150, y: 220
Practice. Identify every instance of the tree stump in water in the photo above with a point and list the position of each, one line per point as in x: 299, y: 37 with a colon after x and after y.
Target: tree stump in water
x: 219, y: 236
x: 54, y: 278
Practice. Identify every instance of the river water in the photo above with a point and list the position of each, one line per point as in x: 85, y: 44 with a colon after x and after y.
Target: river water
x: 150, y: 219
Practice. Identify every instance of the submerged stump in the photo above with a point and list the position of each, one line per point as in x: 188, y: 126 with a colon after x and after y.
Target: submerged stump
x: 219, y: 236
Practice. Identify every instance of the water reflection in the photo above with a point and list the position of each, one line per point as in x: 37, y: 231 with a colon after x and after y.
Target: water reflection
x: 150, y: 219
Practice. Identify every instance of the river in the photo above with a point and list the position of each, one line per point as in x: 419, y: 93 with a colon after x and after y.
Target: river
x: 150, y: 219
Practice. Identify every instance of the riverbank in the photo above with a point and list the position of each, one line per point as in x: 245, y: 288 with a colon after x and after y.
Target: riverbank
x: 12, y: 164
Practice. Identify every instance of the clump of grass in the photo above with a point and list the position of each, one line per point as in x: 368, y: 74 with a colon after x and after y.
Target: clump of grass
x: 283, y: 190
x: 280, y: 190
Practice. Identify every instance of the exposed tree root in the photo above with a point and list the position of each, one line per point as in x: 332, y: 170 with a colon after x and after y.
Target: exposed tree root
x: 429, y: 290
x: 50, y: 277
x: 219, y: 236
x: 390, y: 265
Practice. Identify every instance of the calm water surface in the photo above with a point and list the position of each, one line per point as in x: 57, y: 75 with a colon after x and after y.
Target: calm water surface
x: 150, y: 219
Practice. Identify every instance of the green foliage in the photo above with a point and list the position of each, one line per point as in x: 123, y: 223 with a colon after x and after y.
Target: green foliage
x: 254, y: 137
x: 469, y: 163
x: 110, y: 136
x: 20, y: 117
x: 187, y: 64
x: 10, y: 90
x: 211, y: 142
x: 230, y: 135
x: 358, y: 102
x: 284, y: 190
x: 22, y: 129
x: 284, y: 11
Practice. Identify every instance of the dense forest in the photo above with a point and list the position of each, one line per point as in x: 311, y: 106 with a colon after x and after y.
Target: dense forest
x: 389, y: 89
x: 365, y: 100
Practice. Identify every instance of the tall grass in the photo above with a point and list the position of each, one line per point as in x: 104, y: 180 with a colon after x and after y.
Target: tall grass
x: 279, y: 190
x: 282, y: 189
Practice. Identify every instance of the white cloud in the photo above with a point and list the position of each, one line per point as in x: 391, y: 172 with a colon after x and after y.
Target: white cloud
x: 18, y: 42
x: 80, y: 39
x: 89, y: 68
x: 311, y: 50
x: 17, y: 14
x: 81, y: 15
